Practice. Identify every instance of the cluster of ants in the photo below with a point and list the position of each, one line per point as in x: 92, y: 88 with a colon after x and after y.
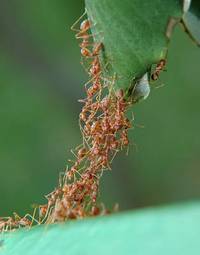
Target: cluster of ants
x: 15, y: 222
x: 104, y: 127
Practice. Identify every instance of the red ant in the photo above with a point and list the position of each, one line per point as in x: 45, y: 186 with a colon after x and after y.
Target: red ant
x: 159, y: 67
x: 82, y: 33
x: 84, y: 27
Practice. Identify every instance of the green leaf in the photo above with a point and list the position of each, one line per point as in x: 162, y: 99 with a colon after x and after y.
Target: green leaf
x: 134, y: 34
x: 166, y: 230
x: 191, y: 20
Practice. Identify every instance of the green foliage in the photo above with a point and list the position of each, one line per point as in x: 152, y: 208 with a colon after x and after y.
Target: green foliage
x: 37, y: 94
x: 133, y: 32
x: 166, y: 230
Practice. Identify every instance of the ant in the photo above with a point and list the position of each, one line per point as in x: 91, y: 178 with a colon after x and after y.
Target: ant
x: 159, y: 67
x: 82, y: 33
x: 84, y: 27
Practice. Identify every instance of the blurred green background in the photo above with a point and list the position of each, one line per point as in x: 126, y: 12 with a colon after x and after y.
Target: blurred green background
x: 40, y: 82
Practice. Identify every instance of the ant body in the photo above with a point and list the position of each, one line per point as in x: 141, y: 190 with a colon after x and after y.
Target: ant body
x: 159, y: 67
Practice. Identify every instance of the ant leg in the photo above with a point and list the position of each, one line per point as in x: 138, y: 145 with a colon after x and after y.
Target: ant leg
x: 32, y: 217
x: 85, y: 142
x: 160, y: 86
x: 77, y: 21
x: 111, y: 85
x: 48, y: 217
x: 91, y: 80
x: 82, y: 35
x: 61, y: 179
x: 76, y: 171
x: 114, y: 155
x: 83, y: 63
x: 74, y: 153
x: 127, y: 151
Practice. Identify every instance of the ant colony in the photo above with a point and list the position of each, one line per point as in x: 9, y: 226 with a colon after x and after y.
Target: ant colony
x: 104, y: 128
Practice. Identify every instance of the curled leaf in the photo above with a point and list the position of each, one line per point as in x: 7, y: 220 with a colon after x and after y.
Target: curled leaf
x: 191, y: 21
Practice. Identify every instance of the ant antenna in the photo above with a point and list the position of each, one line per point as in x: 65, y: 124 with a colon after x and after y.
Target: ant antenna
x: 77, y: 21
